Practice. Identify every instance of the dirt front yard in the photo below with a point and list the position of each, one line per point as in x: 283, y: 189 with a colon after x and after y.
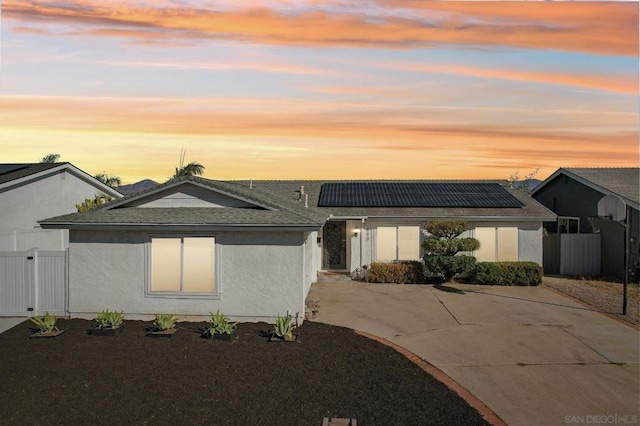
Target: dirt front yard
x: 604, y: 295
x: 136, y: 380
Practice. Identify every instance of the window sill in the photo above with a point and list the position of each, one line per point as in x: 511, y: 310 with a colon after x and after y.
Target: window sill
x: 183, y: 295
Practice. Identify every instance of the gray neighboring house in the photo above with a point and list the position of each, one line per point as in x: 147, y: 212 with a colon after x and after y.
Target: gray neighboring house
x: 573, y: 194
x: 30, y: 192
x: 252, y: 249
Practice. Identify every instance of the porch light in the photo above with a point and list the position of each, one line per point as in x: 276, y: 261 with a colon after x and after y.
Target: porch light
x: 356, y: 231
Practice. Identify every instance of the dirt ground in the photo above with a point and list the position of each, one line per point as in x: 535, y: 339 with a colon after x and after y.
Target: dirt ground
x: 131, y: 379
x: 604, y: 295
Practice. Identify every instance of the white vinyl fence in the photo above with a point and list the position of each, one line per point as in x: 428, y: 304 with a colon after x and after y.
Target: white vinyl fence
x: 33, y: 282
x: 44, y: 239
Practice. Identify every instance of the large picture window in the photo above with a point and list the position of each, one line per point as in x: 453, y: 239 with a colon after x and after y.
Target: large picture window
x: 183, y: 265
x: 397, y: 243
x: 497, y: 244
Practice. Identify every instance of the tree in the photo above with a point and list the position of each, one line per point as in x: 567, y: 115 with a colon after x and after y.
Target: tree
x: 523, y: 185
x: 441, y: 248
x: 110, y: 180
x: 96, y: 203
x: 50, y: 158
x: 192, y: 169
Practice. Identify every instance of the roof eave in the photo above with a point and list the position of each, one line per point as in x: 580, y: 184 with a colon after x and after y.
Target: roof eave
x: 587, y: 183
x: 63, y: 167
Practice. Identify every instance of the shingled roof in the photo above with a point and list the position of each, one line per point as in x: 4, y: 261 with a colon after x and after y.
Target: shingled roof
x: 624, y: 182
x: 282, y: 203
x: 13, y: 171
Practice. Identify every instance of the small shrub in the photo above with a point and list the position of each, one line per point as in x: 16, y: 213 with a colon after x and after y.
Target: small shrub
x: 447, y: 267
x: 508, y: 273
x: 395, y: 273
x: 109, y: 319
x: 165, y: 321
x: 414, y: 272
x: 283, y: 328
x: 220, y: 324
x: 45, y: 324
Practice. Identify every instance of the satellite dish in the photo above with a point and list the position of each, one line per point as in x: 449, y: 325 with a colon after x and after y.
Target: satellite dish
x: 613, y: 207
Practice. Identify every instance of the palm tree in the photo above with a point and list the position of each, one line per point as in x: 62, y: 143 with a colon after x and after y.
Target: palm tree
x: 192, y: 169
x: 109, y: 180
x: 50, y: 158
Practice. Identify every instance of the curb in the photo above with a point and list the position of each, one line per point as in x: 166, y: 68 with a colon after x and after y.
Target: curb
x: 594, y: 308
x: 441, y: 376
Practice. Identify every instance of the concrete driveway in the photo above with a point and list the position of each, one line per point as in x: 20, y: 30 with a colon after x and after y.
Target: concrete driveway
x: 531, y: 355
x: 9, y: 322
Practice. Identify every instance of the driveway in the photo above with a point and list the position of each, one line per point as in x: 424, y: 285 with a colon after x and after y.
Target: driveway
x: 9, y: 322
x: 533, y: 356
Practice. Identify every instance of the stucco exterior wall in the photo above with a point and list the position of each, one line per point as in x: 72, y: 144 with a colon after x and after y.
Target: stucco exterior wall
x: 311, y: 254
x: 363, y: 245
x: 57, y: 194
x: 260, y: 276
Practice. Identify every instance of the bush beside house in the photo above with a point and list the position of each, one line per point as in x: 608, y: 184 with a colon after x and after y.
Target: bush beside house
x: 396, y: 273
x: 442, y: 247
x: 507, y: 273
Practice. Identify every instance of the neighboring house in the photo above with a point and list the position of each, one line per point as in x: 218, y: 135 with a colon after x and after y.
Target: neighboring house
x: 573, y: 194
x: 32, y: 192
x: 252, y: 249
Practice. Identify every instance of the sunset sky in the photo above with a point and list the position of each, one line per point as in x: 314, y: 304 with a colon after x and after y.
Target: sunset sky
x: 320, y: 89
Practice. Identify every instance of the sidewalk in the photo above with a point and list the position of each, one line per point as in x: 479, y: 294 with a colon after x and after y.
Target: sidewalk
x: 533, y: 356
x: 9, y: 322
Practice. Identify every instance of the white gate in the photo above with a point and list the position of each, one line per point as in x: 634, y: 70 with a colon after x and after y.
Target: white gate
x: 33, y: 282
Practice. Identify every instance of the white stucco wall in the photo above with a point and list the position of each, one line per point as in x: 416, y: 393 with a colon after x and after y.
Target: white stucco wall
x: 311, y: 253
x: 260, y: 275
x: 529, y: 239
x: 57, y: 194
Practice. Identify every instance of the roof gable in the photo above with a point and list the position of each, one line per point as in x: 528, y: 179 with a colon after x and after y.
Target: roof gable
x: 20, y: 174
x: 191, y: 192
x: 624, y: 182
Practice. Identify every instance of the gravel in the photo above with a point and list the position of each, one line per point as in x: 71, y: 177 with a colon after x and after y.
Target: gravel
x: 604, y: 295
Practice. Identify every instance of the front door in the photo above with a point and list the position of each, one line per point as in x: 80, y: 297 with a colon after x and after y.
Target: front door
x: 335, y: 245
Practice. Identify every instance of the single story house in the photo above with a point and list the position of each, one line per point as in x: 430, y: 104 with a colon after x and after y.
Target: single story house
x: 30, y: 192
x: 573, y: 194
x: 252, y: 249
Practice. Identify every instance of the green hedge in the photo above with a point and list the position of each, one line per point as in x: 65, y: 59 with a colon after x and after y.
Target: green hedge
x: 396, y: 273
x: 507, y: 273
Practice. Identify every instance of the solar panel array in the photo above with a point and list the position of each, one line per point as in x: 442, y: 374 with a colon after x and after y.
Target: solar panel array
x: 415, y: 194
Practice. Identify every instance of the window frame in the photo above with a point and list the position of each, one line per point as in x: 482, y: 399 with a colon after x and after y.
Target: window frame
x: 149, y: 292
x: 498, y: 254
x: 397, y: 249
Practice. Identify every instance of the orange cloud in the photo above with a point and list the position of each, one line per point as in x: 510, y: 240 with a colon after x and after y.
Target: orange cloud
x: 372, y: 128
x: 593, y: 27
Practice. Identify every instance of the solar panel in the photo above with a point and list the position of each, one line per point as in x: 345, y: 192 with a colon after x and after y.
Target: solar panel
x: 415, y: 194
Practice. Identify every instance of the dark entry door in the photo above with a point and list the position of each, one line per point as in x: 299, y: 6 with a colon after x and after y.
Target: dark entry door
x: 335, y: 245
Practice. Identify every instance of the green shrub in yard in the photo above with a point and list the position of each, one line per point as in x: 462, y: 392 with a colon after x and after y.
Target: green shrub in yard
x: 414, y: 272
x: 443, y: 249
x: 394, y: 273
x: 508, y: 273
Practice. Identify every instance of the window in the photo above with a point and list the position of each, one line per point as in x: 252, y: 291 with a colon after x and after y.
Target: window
x: 496, y: 244
x: 568, y: 225
x: 183, y: 265
x: 397, y: 243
